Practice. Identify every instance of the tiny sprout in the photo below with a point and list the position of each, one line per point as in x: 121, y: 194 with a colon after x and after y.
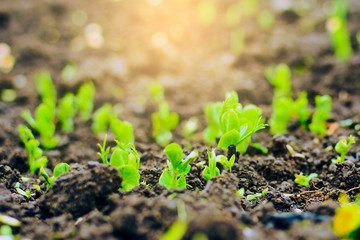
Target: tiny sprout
x: 45, y: 87
x: 156, y: 91
x: 301, y: 109
x: 321, y: 115
x: 225, y: 162
x: 66, y: 112
x: 304, y: 180
x: 101, y: 118
x: 211, y: 171
x: 35, y: 158
x: 241, y: 192
x: 23, y: 193
x: 104, y: 151
x: 190, y: 127
x: 59, y: 169
x: 69, y: 71
x: 212, y: 115
x: 343, y: 146
x: 257, y: 195
x: 177, y: 167
x: 85, y: 100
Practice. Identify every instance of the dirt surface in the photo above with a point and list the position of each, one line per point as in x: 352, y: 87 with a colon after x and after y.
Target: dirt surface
x: 195, y: 66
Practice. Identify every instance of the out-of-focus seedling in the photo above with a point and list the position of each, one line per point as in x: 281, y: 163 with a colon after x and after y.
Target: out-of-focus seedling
x: 45, y: 87
x: 85, y: 100
x: 301, y: 109
x: 212, y: 115
x: 304, y: 180
x: 8, y: 95
x: 23, y: 193
x: 164, y: 122
x: 178, y: 229
x: 35, y: 158
x: 190, y: 127
x: 266, y: 19
x: 281, y: 115
x: 66, y: 112
x: 241, y: 192
x: 104, y: 151
x: 59, y: 169
x: 69, y: 71
x: 156, y: 91
x: 43, y: 123
x: 177, y: 167
x: 123, y: 130
x: 336, y: 27
x: 280, y: 78
x: 342, y: 147
x: 237, y: 41
x: 211, y: 171
x: 101, y: 118
x: 257, y: 195
x: 321, y: 115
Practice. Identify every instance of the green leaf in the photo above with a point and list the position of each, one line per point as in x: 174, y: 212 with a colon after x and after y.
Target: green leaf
x: 166, y: 179
x: 40, y: 162
x: 60, y: 169
x: 229, y: 138
x: 230, y: 121
x: 175, y: 154
x: 123, y: 131
x: 119, y: 158
x: 181, y: 182
x: 131, y: 177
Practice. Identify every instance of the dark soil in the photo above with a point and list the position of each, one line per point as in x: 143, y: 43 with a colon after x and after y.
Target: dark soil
x: 195, y: 67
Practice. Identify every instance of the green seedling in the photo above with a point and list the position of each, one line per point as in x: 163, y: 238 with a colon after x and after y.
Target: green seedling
x: 66, y: 112
x: 43, y: 123
x: 241, y: 192
x: 301, y: 109
x: 281, y: 115
x: 226, y: 162
x: 304, y: 180
x: 211, y: 171
x: 342, y: 147
x: 23, y: 193
x: 238, y: 124
x: 190, y: 127
x: 280, y: 78
x: 104, y: 151
x: 156, y: 91
x: 321, y: 115
x: 178, y: 229
x: 69, y: 71
x: 59, y: 169
x: 257, y: 195
x: 338, y: 33
x: 35, y: 158
x: 177, y: 167
x: 127, y: 160
x: 45, y: 87
x: 164, y: 122
x: 122, y: 130
x: 6, y: 233
x: 212, y: 115
x: 85, y: 100
x: 101, y: 118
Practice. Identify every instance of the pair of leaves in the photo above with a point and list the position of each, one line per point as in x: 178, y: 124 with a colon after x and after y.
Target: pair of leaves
x: 59, y: 169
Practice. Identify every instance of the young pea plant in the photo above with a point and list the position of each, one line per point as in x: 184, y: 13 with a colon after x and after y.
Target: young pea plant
x: 59, y: 169
x: 43, y: 123
x: 321, y: 115
x: 211, y: 171
x: 342, y: 147
x: 104, y: 151
x: 281, y: 115
x: 122, y: 130
x: 35, y: 158
x: 257, y: 195
x: 101, y: 118
x: 85, y: 100
x: 304, y: 180
x: 164, y: 122
x: 338, y: 33
x: 23, y: 193
x: 280, y: 78
x: 45, y: 87
x: 301, y: 109
x: 156, y: 91
x: 228, y: 162
x: 177, y: 167
x: 190, y: 127
x: 212, y: 115
x: 66, y: 112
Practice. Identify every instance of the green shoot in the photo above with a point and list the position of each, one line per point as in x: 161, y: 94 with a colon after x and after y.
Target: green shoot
x: 163, y: 122
x: 321, y: 115
x: 104, y: 151
x: 101, y: 118
x: 85, y: 100
x: 59, y: 169
x: 280, y: 78
x: 342, y: 147
x: 156, y: 91
x: 66, y: 112
x: 301, y: 109
x: 177, y: 167
x: 190, y: 127
x: 26, y: 193
x: 257, y: 195
x: 212, y: 115
x: 241, y: 192
x: 122, y: 130
x: 226, y: 162
x: 211, y: 171
x: 304, y: 180
x: 43, y: 123
x: 45, y: 87
x: 69, y: 71
x: 127, y: 160
x: 281, y: 115
x: 178, y: 229
x: 35, y: 158
x: 338, y: 33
